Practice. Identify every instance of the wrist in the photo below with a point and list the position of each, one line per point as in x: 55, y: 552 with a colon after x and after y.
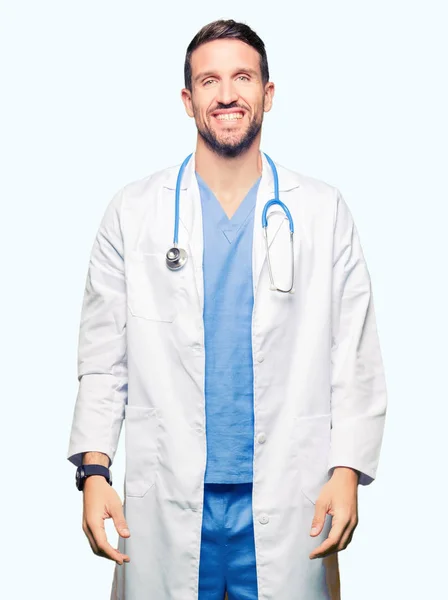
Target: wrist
x: 347, y: 473
x: 92, y: 480
x: 96, y: 458
x: 87, y: 471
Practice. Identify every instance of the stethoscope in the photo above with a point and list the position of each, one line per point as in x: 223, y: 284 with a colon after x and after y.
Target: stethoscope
x: 177, y: 257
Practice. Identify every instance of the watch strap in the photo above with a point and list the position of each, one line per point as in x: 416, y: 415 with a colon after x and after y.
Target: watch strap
x: 84, y: 471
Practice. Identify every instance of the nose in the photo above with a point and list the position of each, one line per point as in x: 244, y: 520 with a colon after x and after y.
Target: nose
x: 226, y: 93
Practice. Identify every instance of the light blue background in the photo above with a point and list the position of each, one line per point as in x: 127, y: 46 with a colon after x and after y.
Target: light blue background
x: 91, y: 101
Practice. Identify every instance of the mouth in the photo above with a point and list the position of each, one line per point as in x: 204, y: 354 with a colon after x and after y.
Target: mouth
x: 228, y: 115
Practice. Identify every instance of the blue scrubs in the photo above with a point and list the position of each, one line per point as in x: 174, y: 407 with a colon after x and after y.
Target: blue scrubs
x: 227, y: 560
x: 227, y: 552
x: 228, y: 303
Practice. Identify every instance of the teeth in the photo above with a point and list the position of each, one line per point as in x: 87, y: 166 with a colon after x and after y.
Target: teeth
x: 229, y: 116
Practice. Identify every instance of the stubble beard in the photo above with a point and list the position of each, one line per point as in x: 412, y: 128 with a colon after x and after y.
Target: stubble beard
x: 230, y: 149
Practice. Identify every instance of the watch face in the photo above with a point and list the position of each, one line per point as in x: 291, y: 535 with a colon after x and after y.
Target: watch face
x: 79, y: 476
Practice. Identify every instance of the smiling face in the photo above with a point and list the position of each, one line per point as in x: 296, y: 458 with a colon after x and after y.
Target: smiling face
x: 228, y: 97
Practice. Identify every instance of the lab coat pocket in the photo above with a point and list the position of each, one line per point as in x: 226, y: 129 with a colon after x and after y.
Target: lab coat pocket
x: 142, y: 425
x: 313, y: 441
x: 151, y: 287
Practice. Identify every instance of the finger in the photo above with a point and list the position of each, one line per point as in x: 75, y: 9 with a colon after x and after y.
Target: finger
x: 109, y: 552
x: 347, y: 536
x: 90, y: 538
x: 327, y: 547
x: 320, y: 513
x: 119, y: 521
x: 343, y: 542
x: 350, y: 537
x: 105, y: 549
x: 122, y: 557
x: 330, y: 544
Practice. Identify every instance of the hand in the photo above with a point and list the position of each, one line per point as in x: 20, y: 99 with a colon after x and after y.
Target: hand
x: 338, y: 498
x: 101, y: 502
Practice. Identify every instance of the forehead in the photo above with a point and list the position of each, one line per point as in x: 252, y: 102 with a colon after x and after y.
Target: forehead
x: 224, y: 55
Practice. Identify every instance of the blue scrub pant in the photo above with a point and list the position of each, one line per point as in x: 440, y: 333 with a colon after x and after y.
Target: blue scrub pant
x: 227, y: 559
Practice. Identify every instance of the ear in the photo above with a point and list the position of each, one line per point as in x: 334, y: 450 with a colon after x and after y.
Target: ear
x: 186, y: 99
x: 269, y: 90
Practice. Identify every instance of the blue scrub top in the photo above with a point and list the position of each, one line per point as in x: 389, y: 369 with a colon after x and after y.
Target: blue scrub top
x: 228, y: 304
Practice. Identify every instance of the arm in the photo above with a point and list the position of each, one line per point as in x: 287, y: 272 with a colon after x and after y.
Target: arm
x: 102, y: 355
x: 96, y: 458
x: 103, y: 381
x: 359, y: 398
x: 358, y: 389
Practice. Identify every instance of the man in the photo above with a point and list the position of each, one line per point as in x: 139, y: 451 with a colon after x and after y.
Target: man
x: 251, y: 414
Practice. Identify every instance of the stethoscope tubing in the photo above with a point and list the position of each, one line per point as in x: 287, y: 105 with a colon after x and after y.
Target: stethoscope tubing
x: 176, y: 258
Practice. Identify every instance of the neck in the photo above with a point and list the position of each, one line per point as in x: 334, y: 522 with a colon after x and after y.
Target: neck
x: 228, y: 176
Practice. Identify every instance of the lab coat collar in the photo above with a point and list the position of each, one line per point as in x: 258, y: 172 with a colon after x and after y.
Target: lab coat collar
x: 287, y: 179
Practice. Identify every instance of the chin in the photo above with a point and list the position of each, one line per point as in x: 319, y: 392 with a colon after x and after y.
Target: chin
x: 230, y: 140
x: 230, y: 137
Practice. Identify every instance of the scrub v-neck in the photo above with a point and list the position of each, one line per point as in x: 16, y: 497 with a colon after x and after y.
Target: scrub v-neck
x: 229, y: 227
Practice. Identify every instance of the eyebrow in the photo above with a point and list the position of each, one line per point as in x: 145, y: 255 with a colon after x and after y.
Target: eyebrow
x: 213, y: 73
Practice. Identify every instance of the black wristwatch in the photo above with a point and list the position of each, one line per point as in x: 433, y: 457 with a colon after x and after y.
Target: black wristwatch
x: 84, y: 471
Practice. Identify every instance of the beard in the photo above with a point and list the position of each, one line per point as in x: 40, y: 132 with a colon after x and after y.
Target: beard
x: 230, y: 149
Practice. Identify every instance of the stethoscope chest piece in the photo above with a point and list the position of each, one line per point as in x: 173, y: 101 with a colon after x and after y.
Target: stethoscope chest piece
x: 176, y: 258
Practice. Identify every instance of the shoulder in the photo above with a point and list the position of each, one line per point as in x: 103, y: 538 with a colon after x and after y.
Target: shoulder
x: 155, y: 180
x: 317, y: 196
x: 135, y: 195
x: 307, y: 183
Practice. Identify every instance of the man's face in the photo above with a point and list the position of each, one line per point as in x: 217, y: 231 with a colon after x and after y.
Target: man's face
x: 228, y: 98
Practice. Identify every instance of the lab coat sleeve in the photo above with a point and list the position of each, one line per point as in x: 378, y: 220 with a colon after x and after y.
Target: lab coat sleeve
x: 358, y: 387
x: 102, y: 355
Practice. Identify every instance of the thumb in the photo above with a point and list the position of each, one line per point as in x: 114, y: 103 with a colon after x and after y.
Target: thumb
x: 319, y: 518
x: 120, y: 523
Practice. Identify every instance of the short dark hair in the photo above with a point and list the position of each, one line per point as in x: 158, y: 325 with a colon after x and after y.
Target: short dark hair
x: 222, y: 29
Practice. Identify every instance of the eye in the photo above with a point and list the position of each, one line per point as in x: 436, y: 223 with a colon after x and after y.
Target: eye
x: 208, y: 81
x: 243, y: 77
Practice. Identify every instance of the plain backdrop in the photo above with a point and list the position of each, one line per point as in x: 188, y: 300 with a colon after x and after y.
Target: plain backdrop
x: 90, y: 101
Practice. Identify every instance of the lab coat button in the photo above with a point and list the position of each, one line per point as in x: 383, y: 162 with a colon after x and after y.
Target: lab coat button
x: 261, y: 437
x: 263, y: 518
x: 260, y: 357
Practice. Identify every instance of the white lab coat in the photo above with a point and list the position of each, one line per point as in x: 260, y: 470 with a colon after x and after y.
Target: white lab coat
x: 319, y: 385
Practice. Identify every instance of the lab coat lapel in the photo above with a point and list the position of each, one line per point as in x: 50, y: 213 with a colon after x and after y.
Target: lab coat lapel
x: 190, y: 219
x: 275, y: 215
x: 265, y: 193
x: 190, y: 235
